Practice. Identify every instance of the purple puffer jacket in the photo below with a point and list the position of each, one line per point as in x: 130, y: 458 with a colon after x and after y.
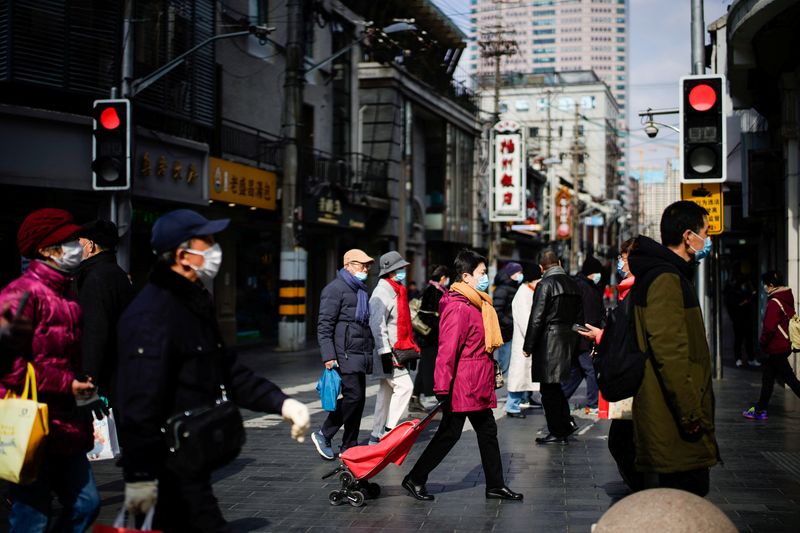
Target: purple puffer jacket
x: 55, y: 353
x: 461, y: 331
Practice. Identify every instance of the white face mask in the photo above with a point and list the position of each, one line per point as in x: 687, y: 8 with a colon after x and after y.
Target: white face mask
x: 212, y: 260
x: 71, y: 256
x: 595, y: 278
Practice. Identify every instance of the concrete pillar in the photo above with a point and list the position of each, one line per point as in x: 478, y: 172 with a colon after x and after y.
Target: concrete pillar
x: 790, y: 124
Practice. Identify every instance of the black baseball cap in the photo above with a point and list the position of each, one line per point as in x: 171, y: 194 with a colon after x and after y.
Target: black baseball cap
x: 102, y: 232
x: 181, y: 225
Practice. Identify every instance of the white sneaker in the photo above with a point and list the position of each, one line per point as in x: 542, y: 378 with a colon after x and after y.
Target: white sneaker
x: 524, y: 405
x: 754, y: 363
x: 738, y: 363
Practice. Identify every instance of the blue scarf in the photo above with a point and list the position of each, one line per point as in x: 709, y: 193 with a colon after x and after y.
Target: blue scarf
x: 362, y: 309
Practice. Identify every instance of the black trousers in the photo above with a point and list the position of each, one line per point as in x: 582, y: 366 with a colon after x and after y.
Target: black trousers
x: 623, y: 450
x: 423, y: 382
x: 349, y: 409
x: 556, y: 409
x: 776, y: 365
x: 448, y: 434
x: 187, y: 505
x: 694, y: 481
x: 742, y: 335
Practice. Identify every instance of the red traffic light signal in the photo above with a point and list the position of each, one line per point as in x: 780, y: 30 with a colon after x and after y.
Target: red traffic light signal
x: 702, y: 138
x: 111, y: 145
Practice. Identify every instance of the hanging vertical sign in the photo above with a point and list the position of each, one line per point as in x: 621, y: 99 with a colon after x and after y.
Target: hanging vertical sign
x: 564, y: 214
x: 508, y: 188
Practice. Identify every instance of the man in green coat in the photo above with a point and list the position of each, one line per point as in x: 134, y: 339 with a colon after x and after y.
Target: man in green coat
x: 673, y: 411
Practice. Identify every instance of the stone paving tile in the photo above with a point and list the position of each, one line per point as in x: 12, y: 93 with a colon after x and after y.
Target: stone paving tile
x: 276, y: 486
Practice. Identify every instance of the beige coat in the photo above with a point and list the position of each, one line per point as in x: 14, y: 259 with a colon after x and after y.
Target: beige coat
x: 519, y: 366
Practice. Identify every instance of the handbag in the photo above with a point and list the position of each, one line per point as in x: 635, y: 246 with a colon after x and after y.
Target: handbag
x: 417, y: 324
x: 405, y: 356
x: 23, y: 430
x: 329, y: 386
x: 106, y: 444
x: 204, y: 439
x: 499, y: 382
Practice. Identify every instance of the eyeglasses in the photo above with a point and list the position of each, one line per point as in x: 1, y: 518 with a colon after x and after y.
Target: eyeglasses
x: 360, y: 265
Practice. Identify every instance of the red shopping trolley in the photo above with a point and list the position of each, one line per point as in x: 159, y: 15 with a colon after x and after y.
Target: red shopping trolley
x: 361, y: 463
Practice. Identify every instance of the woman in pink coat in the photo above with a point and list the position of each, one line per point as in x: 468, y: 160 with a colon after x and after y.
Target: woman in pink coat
x: 464, y: 378
x: 47, y: 237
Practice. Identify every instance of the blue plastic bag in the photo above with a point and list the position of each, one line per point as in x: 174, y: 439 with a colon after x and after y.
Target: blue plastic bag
x: 328, y: 387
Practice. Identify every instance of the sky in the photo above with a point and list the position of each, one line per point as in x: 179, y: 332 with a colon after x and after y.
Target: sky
x: 660, y: 53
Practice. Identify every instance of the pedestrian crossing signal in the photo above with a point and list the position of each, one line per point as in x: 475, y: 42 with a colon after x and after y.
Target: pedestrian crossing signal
x: 111, y: 145
x: 702, y: 150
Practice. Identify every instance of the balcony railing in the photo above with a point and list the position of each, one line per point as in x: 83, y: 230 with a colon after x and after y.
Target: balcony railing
x: 251, y: 143
x: 354, y: 172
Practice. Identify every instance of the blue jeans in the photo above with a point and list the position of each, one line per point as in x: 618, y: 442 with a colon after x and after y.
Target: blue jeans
x: 580, y: 370
x: 513, y: 400
x: 504, y: 357
x: 72, y: 480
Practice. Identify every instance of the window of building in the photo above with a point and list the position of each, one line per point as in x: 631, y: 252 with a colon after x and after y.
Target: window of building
x: 503, y: 107
x: 521, y: 105
x: 544, y: 13
x: 544, y: 50
x: 621, y: 30
x: 580, y: 131
x: 544, y: 41
x: 541, y: 104
x: 566, y: 104
x: 588, y: 102
x: 544, y: 32
x: 561, y: 132
x: 544, y: 70
x: 533, y: 132
x: 621, y: 68
x: 544, y: 60
x: 544, y: 22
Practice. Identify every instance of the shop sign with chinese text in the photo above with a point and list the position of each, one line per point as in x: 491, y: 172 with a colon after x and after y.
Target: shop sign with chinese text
x: 708, y: 195
x: 508, y: 198
x: 563, y: 214
x: 241, y: 184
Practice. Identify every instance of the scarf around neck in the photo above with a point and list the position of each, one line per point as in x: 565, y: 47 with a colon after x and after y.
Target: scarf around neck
x: 405, y: 335
x: 362, y: 307
x: 493, y: 338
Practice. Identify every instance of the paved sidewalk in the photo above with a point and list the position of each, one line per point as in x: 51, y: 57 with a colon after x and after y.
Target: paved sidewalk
x: 276, y: 485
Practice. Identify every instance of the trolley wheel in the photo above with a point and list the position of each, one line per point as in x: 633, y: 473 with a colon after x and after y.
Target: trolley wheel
x: 356, y: 498
x: 346, y: 478
x: 336, y: 497
x: 373, y: 490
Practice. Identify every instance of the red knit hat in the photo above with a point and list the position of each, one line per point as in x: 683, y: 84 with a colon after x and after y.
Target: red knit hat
x: 43, y: 228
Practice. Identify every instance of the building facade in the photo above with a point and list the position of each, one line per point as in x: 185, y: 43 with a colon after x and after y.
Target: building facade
x: 558, y: 36
x: 211, y: 135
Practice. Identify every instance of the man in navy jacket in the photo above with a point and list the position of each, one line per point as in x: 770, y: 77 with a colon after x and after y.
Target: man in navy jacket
x: 345, y: 340
x: 172, y: 359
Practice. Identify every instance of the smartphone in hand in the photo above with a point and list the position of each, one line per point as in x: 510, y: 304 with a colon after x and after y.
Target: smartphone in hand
x: 580, y: 329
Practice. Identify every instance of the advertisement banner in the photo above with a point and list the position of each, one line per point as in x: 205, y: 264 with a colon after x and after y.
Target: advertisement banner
x: 508, y: 194
x: 563, y: 209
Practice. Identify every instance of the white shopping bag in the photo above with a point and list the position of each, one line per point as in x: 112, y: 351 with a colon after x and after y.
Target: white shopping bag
x: 621, y: 410
x: 106, y: 445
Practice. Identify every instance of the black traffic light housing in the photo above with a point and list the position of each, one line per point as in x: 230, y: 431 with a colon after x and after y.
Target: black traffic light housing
x: 702, y: 147
x: 111, y: 145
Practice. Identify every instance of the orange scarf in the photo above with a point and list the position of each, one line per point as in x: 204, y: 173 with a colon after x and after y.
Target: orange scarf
x: 493, y: 337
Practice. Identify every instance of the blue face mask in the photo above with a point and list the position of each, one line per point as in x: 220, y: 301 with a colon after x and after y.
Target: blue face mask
x: 483, y: 283
x: 521, y: 277
x: 699, y: 255
x: 360, y: 276
x: 621, y: 274
x: 400, y: 276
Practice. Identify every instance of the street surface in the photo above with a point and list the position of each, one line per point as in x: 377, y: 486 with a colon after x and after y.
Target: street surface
x: 276, y: 485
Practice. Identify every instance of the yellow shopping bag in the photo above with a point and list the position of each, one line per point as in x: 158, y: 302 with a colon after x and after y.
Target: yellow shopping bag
x: 23, y: 428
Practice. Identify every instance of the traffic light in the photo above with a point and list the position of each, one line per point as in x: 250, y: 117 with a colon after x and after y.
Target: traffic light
x: 703, y: 157
x: 111, y: 145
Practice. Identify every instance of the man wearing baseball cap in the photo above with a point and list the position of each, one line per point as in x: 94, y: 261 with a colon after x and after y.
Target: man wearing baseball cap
x: 345, y: 342
x: 172, y: 360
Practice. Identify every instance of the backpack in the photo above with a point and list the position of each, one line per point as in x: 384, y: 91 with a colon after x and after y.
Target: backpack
x: 618, y: 361
x: 416, y: 321
x: 794, y: 328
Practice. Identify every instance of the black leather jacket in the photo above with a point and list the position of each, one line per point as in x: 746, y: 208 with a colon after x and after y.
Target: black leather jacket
x: 550, y: 340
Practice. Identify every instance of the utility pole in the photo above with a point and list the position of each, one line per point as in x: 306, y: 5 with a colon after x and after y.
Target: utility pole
x: 293, y: 271
x: 551, y: 179
x: 495, y: 45
x: 120, y: 210
x: 576, y: 186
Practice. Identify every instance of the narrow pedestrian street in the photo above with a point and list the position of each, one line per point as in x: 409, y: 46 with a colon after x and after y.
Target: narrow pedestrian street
x: 276, y: 485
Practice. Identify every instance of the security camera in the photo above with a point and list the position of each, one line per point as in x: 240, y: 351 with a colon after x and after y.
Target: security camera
x: 651, y: 130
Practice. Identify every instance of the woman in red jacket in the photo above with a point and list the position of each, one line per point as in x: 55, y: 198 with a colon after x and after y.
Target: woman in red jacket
x: 48, y: 238
x: 775, y: 343
x: 464, y: 378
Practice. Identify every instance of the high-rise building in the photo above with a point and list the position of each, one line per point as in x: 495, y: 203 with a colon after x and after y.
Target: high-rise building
x: 557, y: 36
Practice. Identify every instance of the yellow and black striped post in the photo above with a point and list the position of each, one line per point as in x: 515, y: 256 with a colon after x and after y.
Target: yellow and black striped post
x: 292, y: 300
